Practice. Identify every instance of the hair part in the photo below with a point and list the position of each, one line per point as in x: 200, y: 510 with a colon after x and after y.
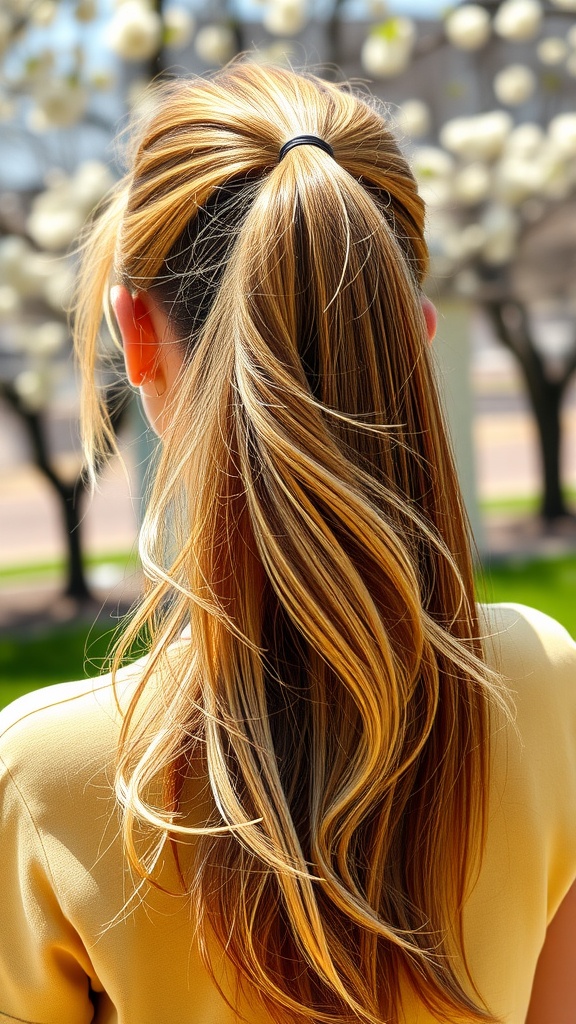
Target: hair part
x: 306, y: 523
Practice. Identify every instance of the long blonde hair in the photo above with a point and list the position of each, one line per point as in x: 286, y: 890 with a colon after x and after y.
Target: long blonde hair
x: 306, y: 523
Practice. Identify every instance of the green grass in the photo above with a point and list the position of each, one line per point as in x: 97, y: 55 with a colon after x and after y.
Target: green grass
x: 549, y: 585
x: 62, y: 653
x: 44, y: 570
x: 75, y: 651
x: 528, y: 504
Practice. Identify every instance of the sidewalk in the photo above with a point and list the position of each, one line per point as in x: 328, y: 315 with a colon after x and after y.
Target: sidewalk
x: 507, y: 467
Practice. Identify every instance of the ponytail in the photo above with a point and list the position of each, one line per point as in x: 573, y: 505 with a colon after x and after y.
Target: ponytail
x: 333, y: 691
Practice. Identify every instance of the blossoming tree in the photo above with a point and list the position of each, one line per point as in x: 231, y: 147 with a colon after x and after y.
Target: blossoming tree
x: 495, y: 176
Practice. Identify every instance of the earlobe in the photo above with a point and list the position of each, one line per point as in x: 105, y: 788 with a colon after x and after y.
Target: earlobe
x: 139, y: 337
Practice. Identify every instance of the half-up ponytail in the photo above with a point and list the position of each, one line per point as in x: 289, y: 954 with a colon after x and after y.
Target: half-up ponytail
x: 332, y: 691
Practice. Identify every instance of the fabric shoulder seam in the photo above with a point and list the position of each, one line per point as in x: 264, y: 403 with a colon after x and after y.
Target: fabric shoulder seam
x: 24, y: 802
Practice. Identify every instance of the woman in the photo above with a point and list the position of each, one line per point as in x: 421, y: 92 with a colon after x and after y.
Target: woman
x: 327, y: 813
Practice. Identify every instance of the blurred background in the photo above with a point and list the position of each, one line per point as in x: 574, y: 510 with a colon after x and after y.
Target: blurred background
x: 483, y: 97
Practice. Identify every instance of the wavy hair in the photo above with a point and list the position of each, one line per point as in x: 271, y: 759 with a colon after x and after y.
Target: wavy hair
x: 306, y: 524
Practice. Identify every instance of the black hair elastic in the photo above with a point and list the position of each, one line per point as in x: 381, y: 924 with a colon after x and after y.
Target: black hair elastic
x: 305, y: 140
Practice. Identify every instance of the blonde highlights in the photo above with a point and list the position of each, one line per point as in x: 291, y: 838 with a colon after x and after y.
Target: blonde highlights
x: 306, y: 524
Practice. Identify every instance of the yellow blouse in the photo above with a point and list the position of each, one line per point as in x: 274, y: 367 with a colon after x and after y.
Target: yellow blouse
x: 79, y: 943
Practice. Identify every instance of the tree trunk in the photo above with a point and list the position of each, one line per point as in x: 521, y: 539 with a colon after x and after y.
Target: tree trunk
x: 548, y: 422
x: 510, y: 323
x: 71, y: 505
x: 69, y: 496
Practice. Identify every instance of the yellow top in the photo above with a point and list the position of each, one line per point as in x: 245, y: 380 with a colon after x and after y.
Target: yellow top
x: 78, y: 944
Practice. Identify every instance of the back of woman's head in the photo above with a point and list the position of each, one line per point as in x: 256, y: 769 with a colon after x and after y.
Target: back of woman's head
x: 306, y: 522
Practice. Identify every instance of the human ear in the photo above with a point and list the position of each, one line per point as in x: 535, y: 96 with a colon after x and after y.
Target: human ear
x: 430, y: 316
x: 139, y: 336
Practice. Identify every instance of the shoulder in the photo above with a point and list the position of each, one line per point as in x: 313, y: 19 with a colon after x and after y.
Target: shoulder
x: 536, y: 756
x: 53, y: 715
x: 63, y: 734
x: 529, y: 647
x: 536, y: 658
x: 61, y: 856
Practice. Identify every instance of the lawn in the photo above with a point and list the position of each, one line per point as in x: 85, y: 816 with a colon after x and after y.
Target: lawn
x: 73, y: 652
x: 61, y: 653
x: 549, y: 585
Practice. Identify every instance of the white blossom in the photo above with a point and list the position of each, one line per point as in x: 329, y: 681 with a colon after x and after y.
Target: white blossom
x: 149, y: 5
x: 518, y: 19
x: 516, y: 179
x: 178, y: 27
x: 514, y: 84
x: 452, y: 247
x: 413, y: 118
x: 377, y: 8
x: 435, y: 193
x: 431, y: 162
x: 433, y: 169
x: 388, y: 48
x: 477, y: 138
x: 501, y: 225
x: 473, y: 238
x: 54, y: 219
x: 215, y: 44
x: 472, y: 184
x: 33, y: 388
x: 134, y: 31
x: 556, y: 180
x: 281, y: 51
x: 15, y: 253
x: 542, y: 175
x: 562, y: 132
x: 441, y: 225
x: 465, y: 242
x: 60, y: 104
x: 468, y: 27
x: 47, y: 339
x: 37, y: 272
x: 552, y: 50
x: 10, y: 302
x: 58, y: 287
x: 90, y: 182
x: 525, y: 140
x: 43, y: 13
x: 57, y: 214
x: 54, y: 229
x: 467, y: 283
x: 285, y: 17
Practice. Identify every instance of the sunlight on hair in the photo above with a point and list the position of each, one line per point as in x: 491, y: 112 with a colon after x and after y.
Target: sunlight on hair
x: 306, y: 524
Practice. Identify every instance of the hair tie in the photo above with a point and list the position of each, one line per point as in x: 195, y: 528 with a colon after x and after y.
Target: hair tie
x: 305, y: 140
